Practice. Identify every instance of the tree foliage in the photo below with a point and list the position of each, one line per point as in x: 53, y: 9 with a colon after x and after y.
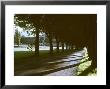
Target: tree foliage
x: 17, y: 37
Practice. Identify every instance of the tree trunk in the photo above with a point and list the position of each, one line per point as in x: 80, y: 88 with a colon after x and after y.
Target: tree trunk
x: 66, y: 46
x: 92, y: 47
x: 62, y: 46
x: 92, y: 51
x: 37, y: 43
x: 57, y: 41
x: 51, y: 45
x: 71, y: 46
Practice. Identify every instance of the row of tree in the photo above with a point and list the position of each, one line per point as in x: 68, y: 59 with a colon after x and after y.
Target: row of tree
x: 70, y: 29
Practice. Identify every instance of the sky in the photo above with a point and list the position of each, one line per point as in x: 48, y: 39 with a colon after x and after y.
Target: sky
x: 24, y: 33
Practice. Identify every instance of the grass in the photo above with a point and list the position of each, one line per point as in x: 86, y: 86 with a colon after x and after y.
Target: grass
x: 84, y: 66
x: 23, y: 54
x: 42, y: 54
x: 26, y: 54
x: 94, y: 73
x: 26, y: 60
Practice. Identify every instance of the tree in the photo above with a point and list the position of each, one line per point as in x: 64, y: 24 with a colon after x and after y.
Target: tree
x: 32, y: 23
x: 75, y: 29
x: 17, y: 37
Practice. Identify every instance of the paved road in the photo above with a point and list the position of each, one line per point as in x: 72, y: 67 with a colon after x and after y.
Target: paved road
x: 58, y: 67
